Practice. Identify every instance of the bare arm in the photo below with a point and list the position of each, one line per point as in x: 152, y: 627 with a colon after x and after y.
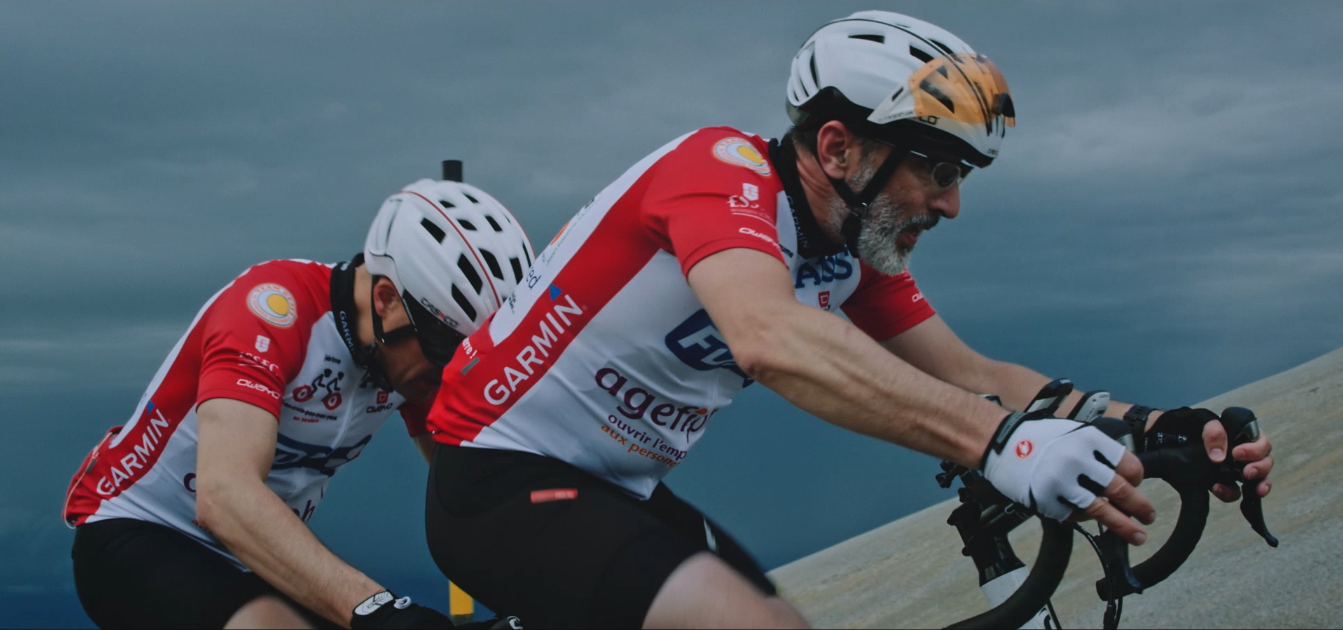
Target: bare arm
x: 237, y: 446
x: 828, y: 367
x: 934, y: 348
x: 425, y: 444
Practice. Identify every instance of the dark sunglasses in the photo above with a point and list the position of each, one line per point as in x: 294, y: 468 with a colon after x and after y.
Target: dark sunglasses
x: 438, y: 341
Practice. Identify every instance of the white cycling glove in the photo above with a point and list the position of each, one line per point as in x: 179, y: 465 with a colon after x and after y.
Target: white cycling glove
x: 1052, y: 466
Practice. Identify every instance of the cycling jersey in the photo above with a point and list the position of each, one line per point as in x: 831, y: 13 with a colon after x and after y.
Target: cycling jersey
x: 604, y: 358
x: 270, y: 338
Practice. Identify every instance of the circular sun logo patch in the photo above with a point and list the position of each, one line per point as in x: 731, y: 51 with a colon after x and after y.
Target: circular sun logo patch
x: 272, y: 303
x: 740, y: 152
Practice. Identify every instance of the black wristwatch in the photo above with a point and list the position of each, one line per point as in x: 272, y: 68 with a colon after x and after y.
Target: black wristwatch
x: 1136, y: 419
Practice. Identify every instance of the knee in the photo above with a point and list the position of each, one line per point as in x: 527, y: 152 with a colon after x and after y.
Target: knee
x: 266, y: 611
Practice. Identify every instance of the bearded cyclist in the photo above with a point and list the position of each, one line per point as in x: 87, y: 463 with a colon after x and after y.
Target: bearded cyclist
x: 716, y: 262
x: 194, y: 513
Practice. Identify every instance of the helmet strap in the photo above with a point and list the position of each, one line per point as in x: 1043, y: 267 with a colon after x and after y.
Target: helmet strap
x: 857, y: 202
x: 342, y: 302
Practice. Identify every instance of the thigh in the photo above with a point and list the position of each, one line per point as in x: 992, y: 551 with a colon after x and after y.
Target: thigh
x: 706, y: 535
x: 534, y: 537
x: 134, y: 574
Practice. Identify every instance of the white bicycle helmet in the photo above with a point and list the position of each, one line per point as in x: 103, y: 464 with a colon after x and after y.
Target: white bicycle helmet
x: 453, y: 251
x: 912, y: 81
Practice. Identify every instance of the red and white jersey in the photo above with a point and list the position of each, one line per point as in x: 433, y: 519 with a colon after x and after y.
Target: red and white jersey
x: 270, y: 339
x: 603, y: 357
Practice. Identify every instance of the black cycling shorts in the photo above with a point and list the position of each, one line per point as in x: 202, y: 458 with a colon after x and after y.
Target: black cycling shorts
x: 134, y: 574
x: 538, y: 538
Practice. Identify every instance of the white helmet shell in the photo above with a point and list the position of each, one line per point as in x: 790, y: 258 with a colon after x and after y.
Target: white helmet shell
x: 897, y: 68
x: 455, y: 249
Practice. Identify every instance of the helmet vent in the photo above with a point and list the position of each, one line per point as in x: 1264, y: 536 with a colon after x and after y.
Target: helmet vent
x: 898, y: 91
x: 467, y: 225
x: 446, y: 205
x: 463, y: 303
x: 494, y: 224
x: 472, y: 199
x: 493, y: 263
x: 945, y: 48
x: 815, y: 78
x: 525, y: 254
x: 920, y: 54
x: 432, y: 229
x: 880, y: 39
x: 517, y: 269
x: 470, y: 273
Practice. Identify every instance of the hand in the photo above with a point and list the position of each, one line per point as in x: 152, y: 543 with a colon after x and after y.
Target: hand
x: 1202, y: 422
x: 1063, y: 469
x: 385, y: 610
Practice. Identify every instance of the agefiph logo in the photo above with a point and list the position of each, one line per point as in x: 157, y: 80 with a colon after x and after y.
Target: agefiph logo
x: 698, y: 343
x: 819, y: 271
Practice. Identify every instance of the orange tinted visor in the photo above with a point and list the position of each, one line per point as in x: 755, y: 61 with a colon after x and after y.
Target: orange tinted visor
x: 967, y: 88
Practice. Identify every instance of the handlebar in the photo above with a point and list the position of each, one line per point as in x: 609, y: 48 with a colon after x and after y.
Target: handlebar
x: 983, y: 520
x: 1055, y: 550
x: 1184, y: 464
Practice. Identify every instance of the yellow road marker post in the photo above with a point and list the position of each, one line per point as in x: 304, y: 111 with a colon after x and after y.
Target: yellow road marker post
x: 461, y: 608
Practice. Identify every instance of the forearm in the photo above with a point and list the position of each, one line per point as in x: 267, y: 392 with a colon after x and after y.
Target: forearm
x: 829, y: 368
x: 262, y: 532
x: 1017, y: 384
x: 425, y: 444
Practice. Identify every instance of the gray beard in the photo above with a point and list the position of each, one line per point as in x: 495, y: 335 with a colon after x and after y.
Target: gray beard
x: 880, y: 227
x: 876, y: 239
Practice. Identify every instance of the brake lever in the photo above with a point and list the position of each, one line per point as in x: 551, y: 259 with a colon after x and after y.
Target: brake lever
x: 1184, y: 464
x: 1242, y: 427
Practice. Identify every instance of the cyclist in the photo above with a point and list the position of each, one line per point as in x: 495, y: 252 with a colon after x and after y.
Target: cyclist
x: 194, y: 513
x: 716, y: 262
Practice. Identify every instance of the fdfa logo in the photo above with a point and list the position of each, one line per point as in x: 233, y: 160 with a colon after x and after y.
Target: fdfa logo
x: 325, y: 384
x: 698, y: 343
x: 273, y: 303
x: 740, y: 152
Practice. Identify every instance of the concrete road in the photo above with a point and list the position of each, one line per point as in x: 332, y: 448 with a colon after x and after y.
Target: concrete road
x: 910, y: 574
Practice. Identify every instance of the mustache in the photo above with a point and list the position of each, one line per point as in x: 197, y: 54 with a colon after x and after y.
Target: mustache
x: 921, y: 222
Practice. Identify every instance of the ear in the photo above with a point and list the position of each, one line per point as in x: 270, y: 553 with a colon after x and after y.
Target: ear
x: 386, y: 299
x: 834, y: 146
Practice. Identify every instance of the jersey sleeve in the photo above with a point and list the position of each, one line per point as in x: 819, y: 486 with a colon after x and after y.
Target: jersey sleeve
x: 415, y: 416
x: 884, y: 306
x: 714, y: 191
x: 256, y: 335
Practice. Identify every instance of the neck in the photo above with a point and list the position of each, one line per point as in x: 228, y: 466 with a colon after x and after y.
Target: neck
x: 820, y: 195
x: 363, y: 305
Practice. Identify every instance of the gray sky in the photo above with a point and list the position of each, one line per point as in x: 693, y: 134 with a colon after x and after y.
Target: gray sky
x: 1163, y: 221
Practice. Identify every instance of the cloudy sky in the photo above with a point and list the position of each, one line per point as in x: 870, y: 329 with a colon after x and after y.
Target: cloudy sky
x: 1164, y: 221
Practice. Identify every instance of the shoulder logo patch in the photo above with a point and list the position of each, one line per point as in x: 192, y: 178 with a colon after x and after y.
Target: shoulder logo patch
x: 740, y: 152
x: 272, y: 303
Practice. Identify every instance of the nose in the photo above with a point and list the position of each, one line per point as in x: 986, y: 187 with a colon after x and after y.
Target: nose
x: 946, y: 203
